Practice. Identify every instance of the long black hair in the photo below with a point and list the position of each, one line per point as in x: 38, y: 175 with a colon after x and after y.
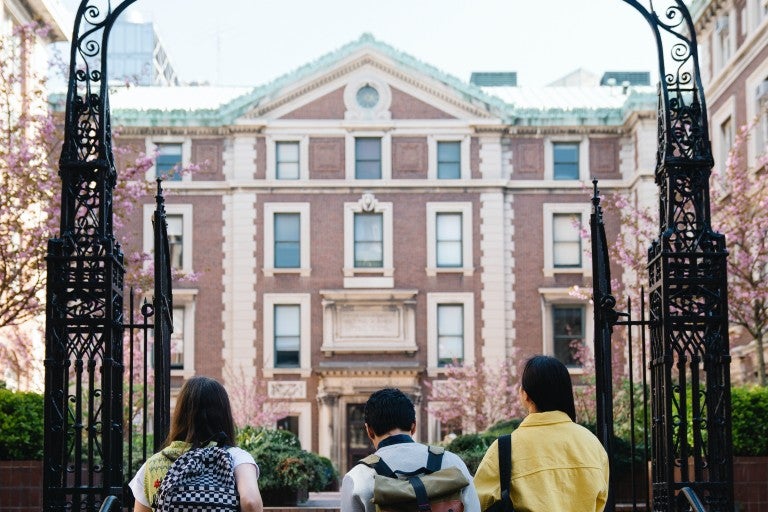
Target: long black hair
x: 548, y: 384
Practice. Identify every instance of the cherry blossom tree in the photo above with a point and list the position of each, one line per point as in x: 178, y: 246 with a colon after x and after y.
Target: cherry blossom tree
x: 30, y: 144
x: 739, y: 208
x: 478, y: 395
x: 739, y: 201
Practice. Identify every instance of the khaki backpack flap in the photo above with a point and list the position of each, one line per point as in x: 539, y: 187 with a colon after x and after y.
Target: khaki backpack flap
x: 443, y: 490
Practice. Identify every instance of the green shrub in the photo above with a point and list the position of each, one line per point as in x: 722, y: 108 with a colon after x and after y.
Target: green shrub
x: 471, y: 448
x: 749, y: 408
x: 21, y: 425
x: 282, y: 462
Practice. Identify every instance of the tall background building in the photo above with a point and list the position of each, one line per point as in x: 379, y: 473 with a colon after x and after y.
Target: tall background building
x: 367, y: 220
x: 137, y: 55
x: 733, y: 50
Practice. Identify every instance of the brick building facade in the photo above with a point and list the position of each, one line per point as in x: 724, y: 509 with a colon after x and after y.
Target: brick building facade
x: 733, y: 51
x: 367, y: 219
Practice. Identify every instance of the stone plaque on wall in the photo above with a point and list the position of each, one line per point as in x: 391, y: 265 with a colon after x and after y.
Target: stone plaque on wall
x: 287, y: 389
x: 369, y: 320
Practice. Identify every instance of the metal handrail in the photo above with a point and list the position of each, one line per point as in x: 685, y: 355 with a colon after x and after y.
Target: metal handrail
x: 110, y: 504
x: 689, y: 495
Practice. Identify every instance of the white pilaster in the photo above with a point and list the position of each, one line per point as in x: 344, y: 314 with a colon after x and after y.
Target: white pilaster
x: 240, y: 158
x: 493, y: 262
x: 490, y: 156
x: 239, y: 297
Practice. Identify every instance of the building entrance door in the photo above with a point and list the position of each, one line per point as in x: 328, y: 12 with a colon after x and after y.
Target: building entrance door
x: 358, y: 444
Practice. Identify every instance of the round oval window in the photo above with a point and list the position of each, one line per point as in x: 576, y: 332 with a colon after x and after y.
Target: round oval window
x: 367, y: 96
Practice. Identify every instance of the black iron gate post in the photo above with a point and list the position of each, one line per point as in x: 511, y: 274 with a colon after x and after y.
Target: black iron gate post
x: 690, y: 361
x: 83, y: 448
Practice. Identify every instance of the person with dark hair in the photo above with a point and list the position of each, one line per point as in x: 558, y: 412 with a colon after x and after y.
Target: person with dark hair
x: 390, y: 423
x: 202, y: 414
x: 557, y: 464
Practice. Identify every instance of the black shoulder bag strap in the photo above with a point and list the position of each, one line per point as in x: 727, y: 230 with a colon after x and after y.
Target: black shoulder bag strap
x: 505, y: 471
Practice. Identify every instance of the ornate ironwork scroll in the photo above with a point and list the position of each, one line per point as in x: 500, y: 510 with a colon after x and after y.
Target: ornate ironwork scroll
x: 83, y: 461
x: 690, y: 361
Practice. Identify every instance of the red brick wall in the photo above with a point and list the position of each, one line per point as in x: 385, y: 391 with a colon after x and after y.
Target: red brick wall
x: 21, y: 484
x: 261, y: 159
x: 527, y: 159
x: 207, y: 153
x: 330, y: 106
x: 405, y: 106
x: 409, y: 157
x: 604, y: 158
x: 208, y: 241
x: 750, y: 483
x: 326, y: 158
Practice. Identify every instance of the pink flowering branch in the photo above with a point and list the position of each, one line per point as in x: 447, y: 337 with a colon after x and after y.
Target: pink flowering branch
x: 479, y: 395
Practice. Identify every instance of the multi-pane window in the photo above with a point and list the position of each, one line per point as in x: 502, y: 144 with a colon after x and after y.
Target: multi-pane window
x: 450, y: 334
x: 565, y: 157
x: 177, y: 339
x: 287, y: 333
x: 449, y: 160
x: 287, y: 235
x: 176, y: 240
x: 287, y: 161
x: 369, y: 240
x: 568, y: 333
x: 368, y: 158
x: 448, y: 231
x: 566, y: 240
x: 726, y: 141
x: 168, y: 162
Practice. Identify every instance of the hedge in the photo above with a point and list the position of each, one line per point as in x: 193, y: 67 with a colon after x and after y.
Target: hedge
x: 21, y: 425
x: 749, y: 409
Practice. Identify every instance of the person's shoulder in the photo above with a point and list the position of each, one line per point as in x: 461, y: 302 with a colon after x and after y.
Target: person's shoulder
x: 240, y: 456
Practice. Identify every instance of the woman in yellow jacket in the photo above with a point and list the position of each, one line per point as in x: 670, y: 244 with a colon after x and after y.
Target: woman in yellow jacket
x: 557, y: 465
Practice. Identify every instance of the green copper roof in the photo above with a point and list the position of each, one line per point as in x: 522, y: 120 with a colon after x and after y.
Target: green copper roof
x: 218, y: 106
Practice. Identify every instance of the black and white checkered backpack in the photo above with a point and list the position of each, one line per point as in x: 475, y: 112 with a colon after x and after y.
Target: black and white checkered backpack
x: 202, y: 479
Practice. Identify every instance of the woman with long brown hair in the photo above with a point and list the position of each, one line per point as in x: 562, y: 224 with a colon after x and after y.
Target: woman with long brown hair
x: 202, y: 414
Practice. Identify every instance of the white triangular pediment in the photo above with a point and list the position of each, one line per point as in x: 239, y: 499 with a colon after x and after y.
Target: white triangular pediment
x: 366, y: 86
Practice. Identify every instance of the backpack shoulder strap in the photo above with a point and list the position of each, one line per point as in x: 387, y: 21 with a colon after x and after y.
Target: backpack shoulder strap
x: 435, y: 458
x: 378, y: 465
x: 505, y: 467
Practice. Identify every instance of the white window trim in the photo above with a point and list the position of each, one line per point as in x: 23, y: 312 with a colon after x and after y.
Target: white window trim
x: 186, y: 154
x: 550, y: 210
x: 270, y: 209
x: 185, y: 297
x: 549, y: 157
x: 386, y: 154
x: 726, y: 111
x: 271, y: 148
x: 432, y: 141
x: 465, y: 209
x: 755, y: 147
x: 368, y: 204
x: 561, y: 297
x: 467, y: 299
x: 303, y: 411
x: 185, y: 210
x: 303, y: 301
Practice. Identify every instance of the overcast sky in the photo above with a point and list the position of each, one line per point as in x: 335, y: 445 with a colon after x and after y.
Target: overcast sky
x: 250, y: 42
